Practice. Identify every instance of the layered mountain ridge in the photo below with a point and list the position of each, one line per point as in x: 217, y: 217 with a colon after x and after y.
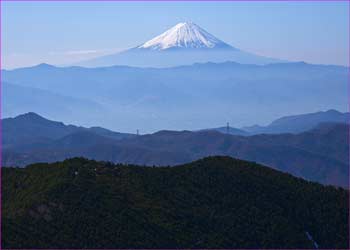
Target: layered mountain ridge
x: 320, y: 154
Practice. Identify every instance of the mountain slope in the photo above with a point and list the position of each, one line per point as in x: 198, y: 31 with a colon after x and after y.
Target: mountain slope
x: 31, y: 128
x: 217, y: 202
x: 183, y: 44
x: 300, y: 123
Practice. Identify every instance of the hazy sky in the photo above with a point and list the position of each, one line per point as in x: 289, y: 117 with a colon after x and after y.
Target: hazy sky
x: 66, y: 32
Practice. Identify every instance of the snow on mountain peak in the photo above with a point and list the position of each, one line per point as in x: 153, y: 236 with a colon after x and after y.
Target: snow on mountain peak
x: 184, y: 35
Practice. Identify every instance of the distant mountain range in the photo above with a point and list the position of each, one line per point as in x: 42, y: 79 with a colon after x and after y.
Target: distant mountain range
x: 320, y: 154
x: 184, y: 44
x: 186, y: 97
x: 213, y: 203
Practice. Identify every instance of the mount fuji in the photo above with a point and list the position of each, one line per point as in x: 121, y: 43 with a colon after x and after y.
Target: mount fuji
x: 185, y: 36
x: 184, y: 44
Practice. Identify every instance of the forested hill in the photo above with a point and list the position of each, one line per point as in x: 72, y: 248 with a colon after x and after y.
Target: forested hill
x: 216, y: 202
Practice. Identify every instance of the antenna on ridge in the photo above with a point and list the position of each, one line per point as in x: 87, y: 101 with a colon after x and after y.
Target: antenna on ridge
x: 137, y: 132
x: 227, y: 128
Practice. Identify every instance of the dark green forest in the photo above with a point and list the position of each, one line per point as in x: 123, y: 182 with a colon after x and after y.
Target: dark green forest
x: 216, y: 202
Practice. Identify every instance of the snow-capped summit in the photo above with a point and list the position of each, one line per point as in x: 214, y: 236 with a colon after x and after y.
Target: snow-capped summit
x: 184, y: 44
x: 184, y: 35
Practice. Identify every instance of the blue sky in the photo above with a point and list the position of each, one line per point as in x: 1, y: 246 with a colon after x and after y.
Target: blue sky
x: 65, y: 32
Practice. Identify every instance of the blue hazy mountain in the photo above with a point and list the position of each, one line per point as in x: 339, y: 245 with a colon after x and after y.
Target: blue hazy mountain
x: 185, y: 97
x: 18, y: 99
x: 299, y: 123
x: 184, y: 44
